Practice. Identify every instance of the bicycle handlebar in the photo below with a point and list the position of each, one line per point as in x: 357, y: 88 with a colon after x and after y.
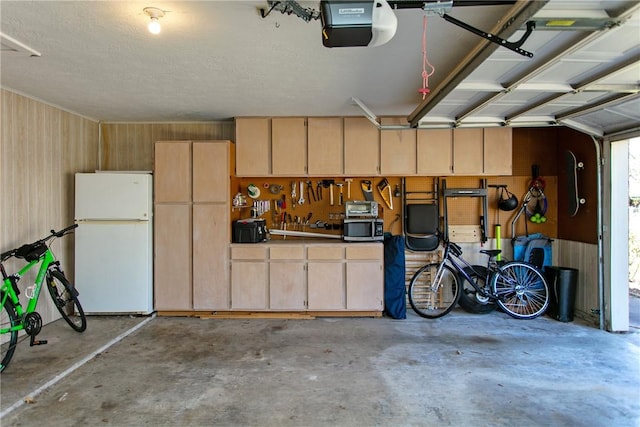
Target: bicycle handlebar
x: 8, y: 254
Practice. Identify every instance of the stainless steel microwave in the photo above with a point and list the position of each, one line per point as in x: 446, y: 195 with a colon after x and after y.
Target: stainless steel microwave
x: 363, y: 229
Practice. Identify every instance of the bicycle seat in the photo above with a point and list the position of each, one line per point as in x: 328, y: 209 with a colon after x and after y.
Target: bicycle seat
x: 491, y: 252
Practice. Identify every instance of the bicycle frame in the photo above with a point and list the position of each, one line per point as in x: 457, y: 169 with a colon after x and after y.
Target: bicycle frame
x: 8, y: 290
x: 459, y: 263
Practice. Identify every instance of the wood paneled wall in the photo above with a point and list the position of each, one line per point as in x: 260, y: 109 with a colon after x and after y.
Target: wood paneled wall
x: 129, y: 146
x: 41, y: 148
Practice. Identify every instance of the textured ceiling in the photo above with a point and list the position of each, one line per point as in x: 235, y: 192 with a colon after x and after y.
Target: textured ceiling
x: 219, y: 59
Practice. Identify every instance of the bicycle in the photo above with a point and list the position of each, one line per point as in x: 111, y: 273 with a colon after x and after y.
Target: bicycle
x: 13, y: 317
x: 517, y: 287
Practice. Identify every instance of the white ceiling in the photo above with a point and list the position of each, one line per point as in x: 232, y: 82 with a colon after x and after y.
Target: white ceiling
x: 218, y: 59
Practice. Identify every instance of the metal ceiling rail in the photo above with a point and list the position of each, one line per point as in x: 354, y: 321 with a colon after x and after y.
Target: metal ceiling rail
x: 555, y: 57
x: 609, y: 102
x: 559, y: 54
x: 580, y: 87
x: 511, y: 22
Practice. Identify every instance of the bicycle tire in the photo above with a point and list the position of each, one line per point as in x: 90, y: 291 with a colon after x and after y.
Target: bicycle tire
x: 65, y: 298
x: 469, y: 299
x: 429, y: 302
x: 8, y: 318
x: 521, y: 289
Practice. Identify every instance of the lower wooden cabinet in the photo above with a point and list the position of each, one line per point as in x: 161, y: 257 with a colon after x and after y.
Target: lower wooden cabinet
x: 280, y: 276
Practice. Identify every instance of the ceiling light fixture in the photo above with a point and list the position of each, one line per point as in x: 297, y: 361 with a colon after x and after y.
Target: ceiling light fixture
x: 155, y: 14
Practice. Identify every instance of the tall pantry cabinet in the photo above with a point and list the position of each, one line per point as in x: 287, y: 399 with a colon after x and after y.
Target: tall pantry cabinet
x: 192, y: 225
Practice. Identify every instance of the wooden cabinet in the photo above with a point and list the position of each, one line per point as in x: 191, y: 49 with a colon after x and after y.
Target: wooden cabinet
x: 498, y: 149
x: 210, y: 175
x: 397, y: 148
x: 287, y: 287
x: 172, y: 252
x: 172, y: 177
x: 306, y: 276
x: 325, y: 146
x: 249, y: 278
x: 468, y: 151
x: 361, y: 147
x: 363, y: 268
x: 253, y: 146
x: 434, y: 152
x: 289, y: 146
x: 192, y: 231
x: 210, y: 256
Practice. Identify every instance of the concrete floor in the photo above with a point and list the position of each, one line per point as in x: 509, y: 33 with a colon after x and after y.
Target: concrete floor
x: 462, y: 370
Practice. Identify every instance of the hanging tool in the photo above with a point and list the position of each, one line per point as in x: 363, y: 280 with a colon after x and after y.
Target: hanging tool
x: 319, y: 190
x: 385, y: 191
x: 301, y: 200
x: 328, y: 183
x: 348, y: 181
x: 310, y: 192
x: 341, y: 196
x: 367, y: 192
x: 293, y: 194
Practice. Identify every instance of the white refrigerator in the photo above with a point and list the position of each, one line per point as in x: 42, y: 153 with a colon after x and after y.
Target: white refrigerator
x: 114, y: 242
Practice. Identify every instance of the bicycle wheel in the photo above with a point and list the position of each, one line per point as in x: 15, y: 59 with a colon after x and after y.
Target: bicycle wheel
x: 470, y: 300
x: 521, y: 289
x: 8, y: 319
x: 434, y: 300
x: 65, y: 298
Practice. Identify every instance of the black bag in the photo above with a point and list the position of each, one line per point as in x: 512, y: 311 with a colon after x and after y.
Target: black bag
x: 31, y: 252
x: 395, y: 305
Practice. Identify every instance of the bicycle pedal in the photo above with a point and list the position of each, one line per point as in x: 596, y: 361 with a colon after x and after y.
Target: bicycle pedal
x: 33, y: 342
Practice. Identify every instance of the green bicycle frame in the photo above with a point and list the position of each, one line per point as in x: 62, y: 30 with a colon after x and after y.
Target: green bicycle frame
x: 8, y: 292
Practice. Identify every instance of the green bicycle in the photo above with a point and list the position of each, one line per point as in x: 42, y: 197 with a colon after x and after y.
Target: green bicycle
x: 14, y: 317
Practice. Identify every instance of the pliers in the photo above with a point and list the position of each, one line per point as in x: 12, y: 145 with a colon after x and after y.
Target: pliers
x: 310, y: 192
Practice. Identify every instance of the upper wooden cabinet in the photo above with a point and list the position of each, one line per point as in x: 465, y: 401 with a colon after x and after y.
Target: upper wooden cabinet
x: 253, y: 146
x: 397, y: 148
x: 434, y: 152
x: 176, y: 185
x: 210, y: 172
x: 361, y: 147
x: 325, y: 147
x: 498, y: 150
x: 468, y: 151
x: 288, y: 146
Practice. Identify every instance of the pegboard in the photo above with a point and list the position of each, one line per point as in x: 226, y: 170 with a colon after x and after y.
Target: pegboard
x: 320, y: 209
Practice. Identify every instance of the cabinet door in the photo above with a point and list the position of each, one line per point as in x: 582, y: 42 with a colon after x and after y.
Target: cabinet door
x: 287, y: 289
x: 210, y: 172
x: 172, y: 172
x: 498, y: 148
x: 397, y: 148
x: 365, y: 286
x: 172, y: 257
x: 468, y: 151
x: 325, y: 146
x: 253, y: 146
x: 434, y: 149
x: 325, y: 283
x: 289, y: 146
x: 249, y: 285
x: 210, y: 256
x: 361, y: 147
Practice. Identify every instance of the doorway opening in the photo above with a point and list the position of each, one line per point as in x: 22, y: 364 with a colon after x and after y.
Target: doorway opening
x: 634, y: 233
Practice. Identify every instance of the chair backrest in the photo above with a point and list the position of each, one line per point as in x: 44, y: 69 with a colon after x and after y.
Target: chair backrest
x: 421, y: 226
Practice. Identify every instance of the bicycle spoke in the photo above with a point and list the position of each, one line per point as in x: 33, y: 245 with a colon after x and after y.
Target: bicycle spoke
x: 522, y: 290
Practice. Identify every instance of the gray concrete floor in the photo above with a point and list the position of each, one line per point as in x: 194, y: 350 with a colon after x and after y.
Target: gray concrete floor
x: 462, y: 370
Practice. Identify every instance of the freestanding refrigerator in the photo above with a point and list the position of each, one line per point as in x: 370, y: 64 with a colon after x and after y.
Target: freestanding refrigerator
x: 114, y: 242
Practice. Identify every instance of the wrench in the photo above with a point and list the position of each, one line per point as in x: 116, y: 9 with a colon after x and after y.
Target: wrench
x: 293, y: 194
x: 301, y: 201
